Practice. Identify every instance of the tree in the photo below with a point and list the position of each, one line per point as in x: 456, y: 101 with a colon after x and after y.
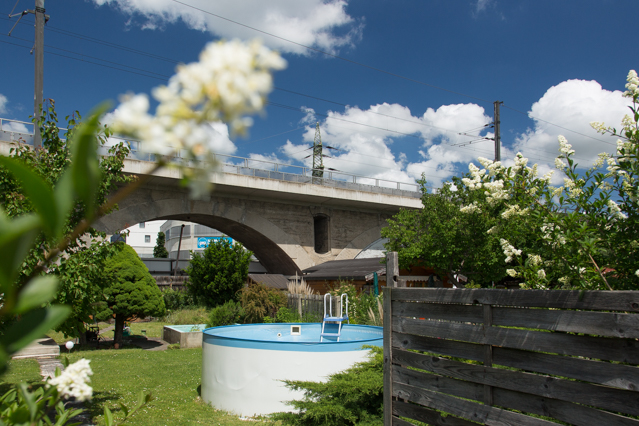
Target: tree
x: 159, y: 251
x: 79, y: 266
x: 582, y: 235
x: 443, y: 237
x: 216, y: 275
x: 132, y: 290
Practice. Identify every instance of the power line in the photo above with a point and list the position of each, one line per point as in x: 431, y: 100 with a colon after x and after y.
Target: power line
x: 323, y: 52
x: 557, y: 125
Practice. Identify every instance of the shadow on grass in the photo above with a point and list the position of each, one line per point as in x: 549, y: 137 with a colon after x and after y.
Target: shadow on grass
x: 96, y: 406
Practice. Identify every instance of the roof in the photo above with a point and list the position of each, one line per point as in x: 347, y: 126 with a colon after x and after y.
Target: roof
x: 352, y: 269
x: 277, y: 281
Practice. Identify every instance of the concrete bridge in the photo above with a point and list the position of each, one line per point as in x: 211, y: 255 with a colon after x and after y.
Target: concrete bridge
x: 289, y: 219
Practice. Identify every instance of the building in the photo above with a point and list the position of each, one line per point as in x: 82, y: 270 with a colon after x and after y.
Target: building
x: 141, y: 237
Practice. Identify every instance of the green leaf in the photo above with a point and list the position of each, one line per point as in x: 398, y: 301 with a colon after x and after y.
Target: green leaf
x: 17, y: 236
x: 29, y: 400
x: 65, y: 197
x: 108, y: 416
x: 37, y: 292
x: 85, y: 167
x: 33, y: 325
x: 124, y: 409
x: 37, y: 190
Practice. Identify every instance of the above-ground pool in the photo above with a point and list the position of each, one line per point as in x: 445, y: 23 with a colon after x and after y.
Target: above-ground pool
x: 243, y: 365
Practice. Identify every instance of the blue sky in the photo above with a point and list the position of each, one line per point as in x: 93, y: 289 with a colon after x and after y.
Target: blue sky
x: 381, y: 101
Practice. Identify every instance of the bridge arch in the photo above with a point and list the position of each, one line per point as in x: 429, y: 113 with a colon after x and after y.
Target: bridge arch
x: 277, y: 251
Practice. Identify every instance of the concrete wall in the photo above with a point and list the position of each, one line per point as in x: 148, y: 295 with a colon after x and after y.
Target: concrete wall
x: 273, y: 219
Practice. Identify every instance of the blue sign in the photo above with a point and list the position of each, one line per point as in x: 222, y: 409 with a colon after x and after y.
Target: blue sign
x: 203, y: 242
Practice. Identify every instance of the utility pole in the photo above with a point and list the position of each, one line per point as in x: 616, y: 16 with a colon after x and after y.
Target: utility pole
x: 318, y: 162
x: 497, y: 135
x: 39, y: 70
x: 38, y: 48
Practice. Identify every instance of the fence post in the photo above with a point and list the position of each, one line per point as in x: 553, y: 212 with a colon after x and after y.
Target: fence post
x: 488, y: 352
x: 388, y: 358
x: 392, y: 269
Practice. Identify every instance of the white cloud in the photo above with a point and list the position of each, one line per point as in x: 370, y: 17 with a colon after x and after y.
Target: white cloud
x: 364, y: 139
x: 481, y: 5
x: 265, y: 162
x: 323, y: 24
x: 14, y: 126
x: 3, y: 104
x: 572, y: 104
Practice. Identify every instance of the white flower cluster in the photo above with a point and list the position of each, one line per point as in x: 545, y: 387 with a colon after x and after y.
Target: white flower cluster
x: 632, y: 85
x: 541, y: 274
x: 551, y: 232
x: 564, y: 147
x: 514, y: 210
x: 477, y: 177
x: 615, y: 210
x: 230, y: 81
x: 535, y: 259
x: 73, y: 381
x: 509, y: 250
x: 511, y: 272
x: 471, y: 208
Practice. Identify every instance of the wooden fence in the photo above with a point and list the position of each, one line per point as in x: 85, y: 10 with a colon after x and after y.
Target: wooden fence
x: 311, y: 304
x: 529, y: 357
x: 175, y: 283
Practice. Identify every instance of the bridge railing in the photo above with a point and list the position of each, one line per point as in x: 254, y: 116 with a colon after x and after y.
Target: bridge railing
x: 13, y: 130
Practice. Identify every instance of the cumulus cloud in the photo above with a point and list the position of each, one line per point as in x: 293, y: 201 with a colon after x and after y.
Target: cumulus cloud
x: 3, y: 103
x: 363, y: 140
x: 323, y: 24
x: 266, y: 162
x: 572, y: 104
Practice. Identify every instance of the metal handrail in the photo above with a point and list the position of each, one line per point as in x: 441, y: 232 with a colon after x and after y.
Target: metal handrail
x: 269, y: 169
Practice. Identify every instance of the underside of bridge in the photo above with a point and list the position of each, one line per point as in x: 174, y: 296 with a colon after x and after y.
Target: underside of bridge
x: 270, y: 255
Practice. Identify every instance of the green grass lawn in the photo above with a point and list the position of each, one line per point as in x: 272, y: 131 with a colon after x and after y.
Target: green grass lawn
x: 173, y: 377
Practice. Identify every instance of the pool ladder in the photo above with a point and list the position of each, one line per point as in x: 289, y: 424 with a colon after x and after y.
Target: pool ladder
x: 332, y: 325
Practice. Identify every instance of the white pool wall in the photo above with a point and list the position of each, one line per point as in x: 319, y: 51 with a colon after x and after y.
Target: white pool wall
x: 247, y: 380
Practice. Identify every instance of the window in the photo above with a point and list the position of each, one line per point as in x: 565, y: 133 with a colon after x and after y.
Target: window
x: 147, y: 238
x: 142, y: 225
x: 320, y: 225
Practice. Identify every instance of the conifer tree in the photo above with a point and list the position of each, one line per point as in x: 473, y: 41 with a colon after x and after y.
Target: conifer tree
x: 159, y: 251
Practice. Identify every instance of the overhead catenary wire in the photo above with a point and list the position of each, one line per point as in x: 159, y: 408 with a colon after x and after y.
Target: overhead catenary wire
x: 136, y: 51
x: 164, y: 77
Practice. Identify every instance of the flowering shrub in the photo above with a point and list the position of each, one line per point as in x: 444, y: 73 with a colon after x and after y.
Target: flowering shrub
x: 230, y: 81
x: 584, y: 234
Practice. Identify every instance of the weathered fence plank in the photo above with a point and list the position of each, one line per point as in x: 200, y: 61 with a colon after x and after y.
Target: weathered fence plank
x: 520, y: 337
x: 425, y: 415
x: 627, y: 301
x: 604, y: 373
x: 565, y: 390
x: 543, y: 406
x: 622, y: 350
x: 466, y: 409
x: 604, y: 324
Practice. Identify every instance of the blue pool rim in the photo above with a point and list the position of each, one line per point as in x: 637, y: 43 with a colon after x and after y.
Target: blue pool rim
x: 208, y: 337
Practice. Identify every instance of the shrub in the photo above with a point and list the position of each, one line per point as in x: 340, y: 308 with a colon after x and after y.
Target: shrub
x: 131, y: 291
x: 260, y: 301
x: 359, y: 305
x: 216, y: 275
x: 351, y: 397
x: 226, y: 314
x: 176, y: 299
x: 188, y: 316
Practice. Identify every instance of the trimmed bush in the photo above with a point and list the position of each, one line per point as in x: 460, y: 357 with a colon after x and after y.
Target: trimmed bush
x: 226, y: 314
x: 260, y: 301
